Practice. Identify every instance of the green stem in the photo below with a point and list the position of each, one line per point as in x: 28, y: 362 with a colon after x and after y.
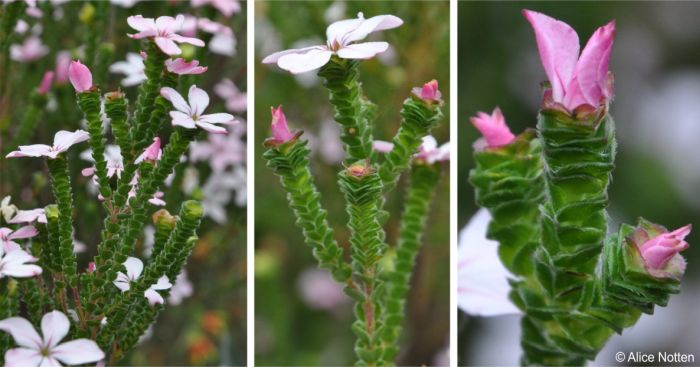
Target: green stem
x: 362, y: 188
x: 89, y: 103
x: 30, y: 119
x: 290, y: 161
x: 341, y: 77
x: 421, y: 189
x: 148, y: 91
x: 60, y: 182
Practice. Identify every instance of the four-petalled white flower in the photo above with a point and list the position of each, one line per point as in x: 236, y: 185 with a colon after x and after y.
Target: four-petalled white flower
x: 341, y: 41
x: 37, y: 351
x: 134, y: 268
x: 190, y: 115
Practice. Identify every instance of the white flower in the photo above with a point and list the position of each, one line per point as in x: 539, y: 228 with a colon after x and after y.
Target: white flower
x: 113, y: 158
x: 482, y: 285
x: 35, y: 350
x: 341, y: 38
x: 133, y: 68
x: 134, y: 268
x: 190, y: 115
x: 236, y: 101
x: 8, y: 210
x: 181, y: 289
x: 28, y: 216
x: 164, y: 31
x: 14, y: 263
x: 61, y: 142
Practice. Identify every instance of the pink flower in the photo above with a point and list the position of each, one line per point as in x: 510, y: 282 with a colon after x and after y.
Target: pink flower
x: 658, y: 251
x: 62, y: 141
x: 181, y: 67
x: 163, y: 30
x: 341, y: 36
x: 482, y: 280
x: 226, y: 7
x: 63, y: 61
x: 28, y: 216
x: 15, y: 264
x: 428, y: 92
x: 91, y: 267
x: 7, y: 237
x: 430, y: 153
x: 280, y: 130
x: 236, y: 101
x: 221, y: 151
x: 134, y: 268
x: 157, y: 199
x: 493, y: 128
x: 32, y: 49
x: 575, y: 81
x: 80, y: 76
x: 45, y: 84
x: 189, y: 115
x: 152, y: 153
x: 35, y: 350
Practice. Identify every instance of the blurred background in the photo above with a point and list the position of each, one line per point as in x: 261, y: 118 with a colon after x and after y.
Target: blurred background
x: 302, y: 316
x: 204, y: 323
x: 656, y: 63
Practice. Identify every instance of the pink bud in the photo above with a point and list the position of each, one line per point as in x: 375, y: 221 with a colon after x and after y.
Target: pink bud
x: 91, y: 267
x: 152, y: 153
x: 493, y: 128
x: 658, y: 251
x: 46, y: 82
x: 62, y: 64
x: 280, y: 130
x: 80, y: 76
x: 181, y: 67
x: 428, y: 92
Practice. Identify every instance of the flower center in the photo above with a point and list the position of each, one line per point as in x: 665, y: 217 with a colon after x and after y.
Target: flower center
x: 45, y: 351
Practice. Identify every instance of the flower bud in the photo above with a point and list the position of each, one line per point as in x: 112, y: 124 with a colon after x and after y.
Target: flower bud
x: 659, y: 248
x: 493, y: 127
x: 46, y: 82
x: 280, y: 130
x: 152, y: 153
x: 80, y: 76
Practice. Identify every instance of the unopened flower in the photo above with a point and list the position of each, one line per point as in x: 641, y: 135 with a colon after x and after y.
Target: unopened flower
x: 37, y: 351
x: 236, y: 101
x: 133, y: 68
x: 428, y: 92
x: 32, y: 49
x: 152, y: 152
x: 430, y: 153
x: 29, y: 216
x: 16, y: 264
x: 341, y: 41
x: 46, y: 82
x: 62, y: 141
x: 226, y: 7
x: 134, y: 268
x: 7, y: 237
x: 280, y: 130
x: 80, y: 76
x: 658, y: 249
x: 493, y: 127
x: 181, y: 67
x: 164, y: 31
x: 482, y: 280
x: 575, y: 81
x: 6, y: 209
x: 189, y: 115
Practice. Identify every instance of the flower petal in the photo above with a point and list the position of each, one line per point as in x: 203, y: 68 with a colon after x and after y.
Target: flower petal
x: 54, y: 327
x: 141, y: 24
x: 365, y: 50
x: 382, y: 146
x: 558, y: 46
x: 22, y: 357
x: 176, y: 99
x: 168, y: 46
x: 336, y: 31
x: 373, y: 24
x: 65, y: 139
x: 34, y: 150
x: 191, y: 40
x: 23, y: 232
x: 199, y: 100
x: 271, y: 59
x: 79, y: 351
x: 154, y: 298
x: 218, y: 118
x: 181, y: 119
x: 22, y: 331
x: 134, y: 267
x: 212, y: 128
x: 297, y: 63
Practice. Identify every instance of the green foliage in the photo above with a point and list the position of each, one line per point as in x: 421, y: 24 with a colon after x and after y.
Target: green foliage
x: 547, y: 196
x: 30, y: 119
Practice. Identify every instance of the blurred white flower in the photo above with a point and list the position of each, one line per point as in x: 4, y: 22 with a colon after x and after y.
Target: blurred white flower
x: 221, y: 151
x: 482, y: 285
x: 181, y: 289
x: 319, y: 291
x: 30, y: 50
x: 236, y: 101
x: 133, y: 68
x: 217, y: 192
